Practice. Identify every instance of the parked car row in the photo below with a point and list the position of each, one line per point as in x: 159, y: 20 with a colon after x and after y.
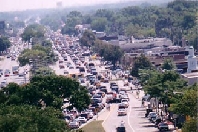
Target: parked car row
x: 160, y: 123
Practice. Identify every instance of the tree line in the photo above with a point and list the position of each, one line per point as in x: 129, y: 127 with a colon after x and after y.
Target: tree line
x: 36, y: 106
x: 109, y: 52
x: 41, y: 55
x: 4, y: 43
x: 175, y: 21
x: 169, y: 88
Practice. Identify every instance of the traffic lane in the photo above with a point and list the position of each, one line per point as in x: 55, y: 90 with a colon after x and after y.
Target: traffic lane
x: 57, y: 69
x: 7, y: 64
x: 136, y: 117
x: 112, y: 120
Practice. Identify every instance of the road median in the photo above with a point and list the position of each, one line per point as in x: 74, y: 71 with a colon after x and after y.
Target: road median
x: 94, y: 126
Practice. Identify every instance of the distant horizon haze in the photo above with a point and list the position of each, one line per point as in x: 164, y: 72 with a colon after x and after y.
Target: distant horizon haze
x: 21, y: 5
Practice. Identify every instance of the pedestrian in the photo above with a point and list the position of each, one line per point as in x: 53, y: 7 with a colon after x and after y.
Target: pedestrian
x: 137, y: 93
x: 122, y: 123
x: 108, y: 106
x: 142, y: 102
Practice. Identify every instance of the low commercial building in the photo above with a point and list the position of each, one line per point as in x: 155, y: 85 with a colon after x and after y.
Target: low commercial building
x: 191, y: 78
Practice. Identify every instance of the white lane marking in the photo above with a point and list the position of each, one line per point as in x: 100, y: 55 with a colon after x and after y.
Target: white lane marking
x: 129, y: 121
x: 106, y: 117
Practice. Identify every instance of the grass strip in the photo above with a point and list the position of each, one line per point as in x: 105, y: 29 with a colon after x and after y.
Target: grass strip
x: 94, y: 126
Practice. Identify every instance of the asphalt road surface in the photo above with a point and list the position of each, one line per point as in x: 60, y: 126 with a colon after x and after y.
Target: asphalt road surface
x: 134, y: 120
x: 7, y: 63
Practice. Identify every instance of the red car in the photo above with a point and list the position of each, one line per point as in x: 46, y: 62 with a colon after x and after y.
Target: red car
x: 6, y: 74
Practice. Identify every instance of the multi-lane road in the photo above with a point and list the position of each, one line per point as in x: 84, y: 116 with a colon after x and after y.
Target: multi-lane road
x: 8, y: 63
x: 134, y: 120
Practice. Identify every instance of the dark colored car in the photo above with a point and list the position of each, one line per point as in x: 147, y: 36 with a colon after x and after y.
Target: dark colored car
x: 120, y: 129
x: 81, y: 69
x: 115, y: 100
x: 104, y: 90
x: 163, y: 127
x: 1, y: 71
x: 65, y: 58
x: 147, y: 112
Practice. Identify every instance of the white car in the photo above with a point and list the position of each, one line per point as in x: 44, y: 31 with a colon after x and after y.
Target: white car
x: 91, y: 115
x: 122, y: 92
x: 74, y: 125
x: 125, y: 96
x: 122, y: 112
x: 125, y: 101
x: 82, y: 119
x: 3, y: 83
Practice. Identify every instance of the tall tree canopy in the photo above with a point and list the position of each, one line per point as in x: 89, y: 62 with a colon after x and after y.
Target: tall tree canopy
x: 4, y: 43
x: 140, y: 63
x: 88, y: 39
x: 163, y: 86
x: 33, y: 31
x: 38, y: 53
x: 187, y: 105
x: 29, y: 118
x: 168, y: 64
x: 48, y: 89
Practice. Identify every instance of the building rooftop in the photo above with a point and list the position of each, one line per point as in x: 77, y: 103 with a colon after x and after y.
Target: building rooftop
x: 158, y: 42
x: 190, y: 75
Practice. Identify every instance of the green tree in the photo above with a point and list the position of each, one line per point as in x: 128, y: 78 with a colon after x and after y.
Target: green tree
x: 38, y: 53
x: 53, y: 21
x: 104, y: 13
x: 68, y: 30
x: 99, y: 24
x: 187, y: 105
x: 33, y: 31
x: 74, y: 14
x: 76, y: 99
x: 99, y: 47
x: 46, y: 91
x: 46, y: 43
x: 45, y: 70
x: 113, y: 53
x: 163, y: 86
x: 107, y: 51
x: 73, y: 18
x: 29, y: 118
x: 4, y: 43
x: 168, y: 64
x: 190, y: 125
x: 88, y: 39
x: 140, y: 63
x: 29, y: 54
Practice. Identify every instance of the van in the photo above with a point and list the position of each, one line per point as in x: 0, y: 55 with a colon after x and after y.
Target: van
x: 3, y: 83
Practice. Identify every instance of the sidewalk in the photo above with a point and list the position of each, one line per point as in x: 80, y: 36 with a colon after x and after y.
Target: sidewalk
x: 138, y: 96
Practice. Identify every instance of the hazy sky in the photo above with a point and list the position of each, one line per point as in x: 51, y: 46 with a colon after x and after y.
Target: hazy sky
x: 13, y: 5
